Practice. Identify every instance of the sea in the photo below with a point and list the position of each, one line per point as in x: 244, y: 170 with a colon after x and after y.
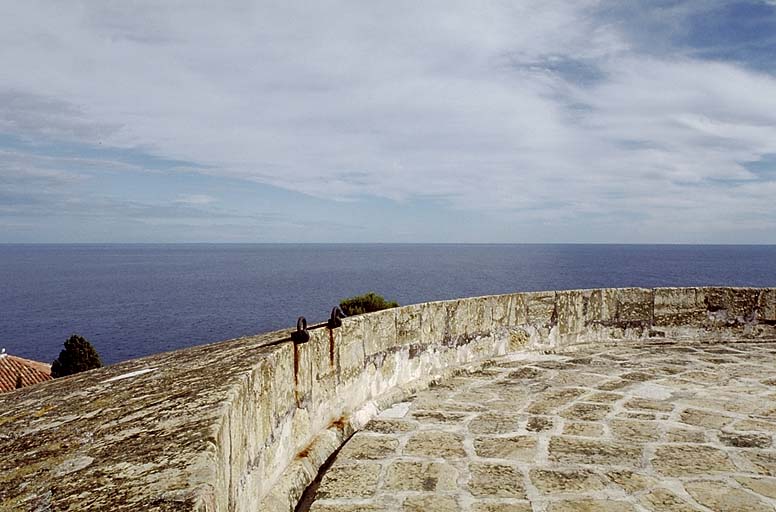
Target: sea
x: 133, y: 300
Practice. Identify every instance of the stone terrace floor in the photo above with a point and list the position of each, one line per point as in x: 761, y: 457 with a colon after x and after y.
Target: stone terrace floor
x: 644, y: 427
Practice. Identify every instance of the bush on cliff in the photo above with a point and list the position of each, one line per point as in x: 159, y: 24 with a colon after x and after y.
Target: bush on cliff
x: 366, y: 304
x: 78, y: 356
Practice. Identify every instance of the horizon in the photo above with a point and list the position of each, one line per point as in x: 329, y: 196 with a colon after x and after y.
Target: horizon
x: 635, y: 244
x: 586, y: 122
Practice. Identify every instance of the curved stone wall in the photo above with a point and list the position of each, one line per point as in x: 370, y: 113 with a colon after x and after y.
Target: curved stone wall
x: 245, y: 424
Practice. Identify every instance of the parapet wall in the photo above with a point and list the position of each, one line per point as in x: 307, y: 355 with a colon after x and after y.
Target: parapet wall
x: 246, y: 424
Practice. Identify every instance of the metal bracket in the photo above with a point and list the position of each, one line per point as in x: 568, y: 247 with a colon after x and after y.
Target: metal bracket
x: 335, y: 320
x: 301, y: 335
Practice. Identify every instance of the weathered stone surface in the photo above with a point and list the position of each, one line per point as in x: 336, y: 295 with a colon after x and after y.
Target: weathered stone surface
x: 437, y: 417
x: 723, y: 498
x: 497, y: 480
x: 604, y: 397
x: 431, y: 503
x: 749, y: 440
x: 662, y: 500
x: 539, y: 424
x: 681, y: 460
x: 540, y: 307
x: 570, y: 307
x: 631, y: 481
x: 634, y: 305
x: 651, y: 405
x: 582, y: 429
x: 684, y: 435
x: 765, y: 462
x: 420, y: 476
x: 561, y: 481
x: 408, y: 324
x: 515, y: 447
x: 388, y: 426
x: 766, y: 305
x: 569, y: 450
x: 373, y: 447
x: 504, y: 506
x: 361, y: 506
x: 493, y: 423
x: 636, y: 431
x: 548, y: 402
x: 586, y: 505
x: 379, y: 332
x: 586, y: 412
x: 763, y: 486
x: 679, y: 307
x: 349, y: 481
x: 705, y: 419
x: 435, y: 444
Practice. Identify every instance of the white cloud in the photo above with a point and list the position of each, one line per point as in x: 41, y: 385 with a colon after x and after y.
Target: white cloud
x: 480, y: 103
x: 195, y: 199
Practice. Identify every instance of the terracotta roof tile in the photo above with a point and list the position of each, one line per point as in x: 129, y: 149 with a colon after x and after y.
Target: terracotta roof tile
x: 32, y: 372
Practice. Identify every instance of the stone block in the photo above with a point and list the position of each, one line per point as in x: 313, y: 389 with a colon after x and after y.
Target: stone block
x: 408, y: 324
x: 570, y: 450
x: 549, y: 481
x: 570, y: 308
x: 634, y: 305
x: 434, y: 443
x: 717, y: 496
x: 261, y: 381
x: 679, y: 307
x: 591, y: 505
x: 766, y: 305
x: 458, y: 320
x: 735, y: 303
x: 349, y: 341
x: 433, y: 322
x: 324, y: 365
x: 496, y: 481
x: 420, y: 476
x: 663, y: 500
x: 540, y: 308
x: 500, y: 310
x: 688, y: 460
x: 431, y: 503
x: 281, y: 394
x: 522, y: 448
x: 349, y: 481
x: 518, y: 310
x: 481, y: 309
x: 379, y: 331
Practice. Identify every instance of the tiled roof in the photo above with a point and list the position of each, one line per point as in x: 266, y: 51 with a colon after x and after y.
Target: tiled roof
x: 32, y: 372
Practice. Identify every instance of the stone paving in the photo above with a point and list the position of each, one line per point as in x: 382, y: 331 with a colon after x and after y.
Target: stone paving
x: 642, y: 427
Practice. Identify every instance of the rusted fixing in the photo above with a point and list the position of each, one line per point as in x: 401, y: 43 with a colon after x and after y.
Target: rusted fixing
x: 331, y: 348
x: 301, y: 335
x: 296, y: 374
x: 340, y: 423
x: 335, y: 320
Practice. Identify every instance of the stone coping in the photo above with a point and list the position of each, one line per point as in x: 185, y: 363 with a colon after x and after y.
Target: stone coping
x: 245, y: 424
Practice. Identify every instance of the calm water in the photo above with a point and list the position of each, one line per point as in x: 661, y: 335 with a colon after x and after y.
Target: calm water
x: 133, y: 300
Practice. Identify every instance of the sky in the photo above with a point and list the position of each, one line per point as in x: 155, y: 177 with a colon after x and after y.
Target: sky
x: 542, y: 121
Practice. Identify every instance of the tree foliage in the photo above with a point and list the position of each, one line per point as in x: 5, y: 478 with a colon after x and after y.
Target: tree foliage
x: 78, y: 356
x: 365, y: 304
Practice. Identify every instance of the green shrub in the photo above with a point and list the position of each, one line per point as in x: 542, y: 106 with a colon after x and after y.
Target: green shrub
x: 366, y: 304
x: 78, y: 356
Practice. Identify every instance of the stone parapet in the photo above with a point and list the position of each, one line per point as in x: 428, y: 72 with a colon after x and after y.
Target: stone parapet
x: 246, y: 424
